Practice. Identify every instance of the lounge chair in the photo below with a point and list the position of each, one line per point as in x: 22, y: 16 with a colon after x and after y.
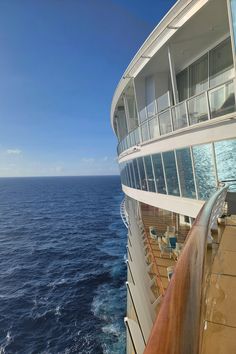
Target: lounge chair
x: 164, y: 248
x: 153, y: 232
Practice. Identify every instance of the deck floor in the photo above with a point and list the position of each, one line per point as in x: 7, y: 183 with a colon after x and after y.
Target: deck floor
x: 220, y: 322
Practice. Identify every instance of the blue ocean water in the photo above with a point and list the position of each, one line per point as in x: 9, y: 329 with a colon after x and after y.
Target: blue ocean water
x: 62, y: 270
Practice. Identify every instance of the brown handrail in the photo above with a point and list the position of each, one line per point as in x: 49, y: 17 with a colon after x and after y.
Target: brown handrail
x: 178, y: 325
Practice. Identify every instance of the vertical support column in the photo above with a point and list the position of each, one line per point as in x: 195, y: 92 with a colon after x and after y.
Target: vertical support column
x: 126, y: 112
x: 173, y: 76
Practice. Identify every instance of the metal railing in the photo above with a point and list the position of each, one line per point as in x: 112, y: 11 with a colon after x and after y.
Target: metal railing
x: 196, y: 109
x: 179, y: 324
x: 124, y: 214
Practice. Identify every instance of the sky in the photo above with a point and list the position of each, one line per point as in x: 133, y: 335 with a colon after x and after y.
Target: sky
x: 60, y: 62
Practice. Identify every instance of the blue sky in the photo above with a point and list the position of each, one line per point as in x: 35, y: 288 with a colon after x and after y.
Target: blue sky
x: 60, y: 62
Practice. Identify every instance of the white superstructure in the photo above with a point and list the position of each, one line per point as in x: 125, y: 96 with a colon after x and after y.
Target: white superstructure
x: 174, y: 116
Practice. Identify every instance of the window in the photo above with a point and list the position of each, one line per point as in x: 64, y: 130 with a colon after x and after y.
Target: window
x: 226, y: 159
x: 182, y: 85
x: 179, y: 116
x: 142, y: 174
x: 204, y: 170
x: 144, y: 131
x: 221, y: 63
x: 197, y: 109
x: 165, y: 122
x: 158, y: 173
x: 136, y: 173
x: 150, y: 96
x: 154, y: 128
x: 198, y: 76
x: 171, y: 173
x: 184, y: 164
x: 149, y: 171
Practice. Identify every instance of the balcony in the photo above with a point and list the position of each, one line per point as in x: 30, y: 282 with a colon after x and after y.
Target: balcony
x: 210, y: 104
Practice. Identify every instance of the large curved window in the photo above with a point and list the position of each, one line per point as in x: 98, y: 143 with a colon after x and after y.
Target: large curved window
x: 190, y: 172
x: 158, y: 173
x: 171, y: 173
x: 204, y: 170
x: 226, y: 159
x: 142, y: 174
x: 149, y: 171
x: 136, y: 173
x: 184, y: 163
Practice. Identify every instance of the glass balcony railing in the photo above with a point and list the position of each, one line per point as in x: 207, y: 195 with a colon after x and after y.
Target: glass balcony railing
x: 210, y: 104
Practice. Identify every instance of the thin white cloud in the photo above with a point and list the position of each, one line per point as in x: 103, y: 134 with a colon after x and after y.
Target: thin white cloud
x: 14, y: 152
x: 88, y: 160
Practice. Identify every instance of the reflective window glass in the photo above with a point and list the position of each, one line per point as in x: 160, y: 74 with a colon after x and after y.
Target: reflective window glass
x: 185, y: 170
x: 127, y: 175
x: 154, y: 128
x: 150, y: 96
x: 144, y: 132
x: 198, y: 76
x: 163, y: 102
x: 158, y: 173
x: 150, y: 177
x: 225, y: 152
x: 221, y: 63
x: 197, y: 108
x: 131, y: 174
x: 182, y: 85
x: 142, y: 174
x: 179, y: 116
x: 222, y: 100
x: 204, y: 170
x: 165, y: 122
x: 136, y: 172
x: 171, y: 173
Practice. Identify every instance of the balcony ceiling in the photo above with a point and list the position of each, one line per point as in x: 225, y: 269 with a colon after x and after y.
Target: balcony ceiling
x: 208, y: 26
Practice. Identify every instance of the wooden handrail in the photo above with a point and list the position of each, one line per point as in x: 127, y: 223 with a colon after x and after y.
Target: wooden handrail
x: 178, y: 325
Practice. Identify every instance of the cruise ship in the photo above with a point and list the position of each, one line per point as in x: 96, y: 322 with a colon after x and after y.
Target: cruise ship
x: 173, y: 113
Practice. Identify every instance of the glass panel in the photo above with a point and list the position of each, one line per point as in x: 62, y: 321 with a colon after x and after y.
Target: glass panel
x: 135, y: 164
x: 137, y: 137
x: 142, y: 174
x: 226, y: 159
x: 131, y: 174
x: 182, y: 84
x: 165, y: 122
x: 204, y: 170
x: 163, y: 102
x: 131, y: 107
x: 198, y: 76
x: 150, y: 177
x: 131, y: 139
x: 143, y: 115
x: 158, y: 173
x: 126, y: 174
x: 221, y: 63
x: 154, y: 128
x: 197, y: 109
x: 171, y: 173
x: 150, y: 96
x: 179, y: 116
x: 144, y: 132
x: 222, y: 100
x: 185, y: 169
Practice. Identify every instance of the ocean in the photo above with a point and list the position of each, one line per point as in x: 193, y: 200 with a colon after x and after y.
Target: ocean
x: 62, y: 269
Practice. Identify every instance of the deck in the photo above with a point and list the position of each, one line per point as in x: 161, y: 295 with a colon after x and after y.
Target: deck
x: 220, y: 320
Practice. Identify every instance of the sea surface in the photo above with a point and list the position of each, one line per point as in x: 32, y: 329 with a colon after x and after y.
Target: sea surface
x: 62, y: 269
